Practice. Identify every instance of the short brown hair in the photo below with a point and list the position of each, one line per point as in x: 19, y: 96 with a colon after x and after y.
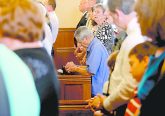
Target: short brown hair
x: 143, y: 49
x: 151, y: 16
x: 126, y: 6
x: 52, y: 3
x: 20, y: 19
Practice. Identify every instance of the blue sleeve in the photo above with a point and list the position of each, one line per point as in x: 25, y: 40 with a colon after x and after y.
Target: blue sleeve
x: 94, y: 60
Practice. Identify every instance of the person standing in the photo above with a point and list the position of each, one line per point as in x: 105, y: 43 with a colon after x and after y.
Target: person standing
x: 151, y: 87
x: 28, y: 24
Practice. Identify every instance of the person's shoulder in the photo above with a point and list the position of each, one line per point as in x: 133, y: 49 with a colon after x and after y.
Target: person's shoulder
x: 97, y: 42
x: 4, y: 48
x: 8, y: 54
x: 134, y: 39
x: 99, y: 46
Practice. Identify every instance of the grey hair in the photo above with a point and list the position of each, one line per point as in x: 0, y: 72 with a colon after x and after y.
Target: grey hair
x: 99, y: 5
x: 99, y: 1
x: 82, y: 32
x: 126, y: 6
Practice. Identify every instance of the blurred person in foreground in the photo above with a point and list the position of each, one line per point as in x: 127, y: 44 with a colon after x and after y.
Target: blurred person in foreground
x: 16, y: 78
x: 21, y: 30
x: 151, y: 16
x: 139, y: 58
x: 21, y: 97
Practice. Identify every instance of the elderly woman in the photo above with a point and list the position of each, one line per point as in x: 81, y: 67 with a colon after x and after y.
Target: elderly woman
x: 103, y: 30
x: 151, y: 16
x: 21, y: 30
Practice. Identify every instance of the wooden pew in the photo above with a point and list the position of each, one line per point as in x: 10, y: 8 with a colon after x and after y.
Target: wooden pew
x: 65, y: 38
x: 74, y: 89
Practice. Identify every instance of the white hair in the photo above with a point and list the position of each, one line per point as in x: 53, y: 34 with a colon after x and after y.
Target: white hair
x: 82, y: 32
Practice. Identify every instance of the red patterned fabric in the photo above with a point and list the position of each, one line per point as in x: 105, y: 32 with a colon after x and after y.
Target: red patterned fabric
x: 133, y: 106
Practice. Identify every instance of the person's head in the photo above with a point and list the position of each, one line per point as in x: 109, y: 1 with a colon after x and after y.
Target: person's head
x: 20, y: 20
x: 86, y: 5
x: 112, y: 60
x: 50, y: 5
x: 99, y: 13
x: 139, y: 59
x: 151, y: 16
x: 83, y: 36
x: 122, y: 11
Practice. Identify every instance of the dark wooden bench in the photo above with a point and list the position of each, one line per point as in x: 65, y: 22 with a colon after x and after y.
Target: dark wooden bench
x: 74, y: 88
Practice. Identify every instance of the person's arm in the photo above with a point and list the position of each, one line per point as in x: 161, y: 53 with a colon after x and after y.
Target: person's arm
x: 122, y: 94
x: 124, y: 90
x: 83, y: 61
x: 81, y: 66
x: 82, y: 70
x: 71, y: 67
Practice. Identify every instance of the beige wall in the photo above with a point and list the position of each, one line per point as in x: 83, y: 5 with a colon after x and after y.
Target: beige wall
x: 68, y: 13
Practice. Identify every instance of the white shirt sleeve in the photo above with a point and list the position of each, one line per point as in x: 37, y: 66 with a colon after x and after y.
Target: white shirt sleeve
x: 125, y: 89
x: 54, y: 25
x: 48, y: 40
